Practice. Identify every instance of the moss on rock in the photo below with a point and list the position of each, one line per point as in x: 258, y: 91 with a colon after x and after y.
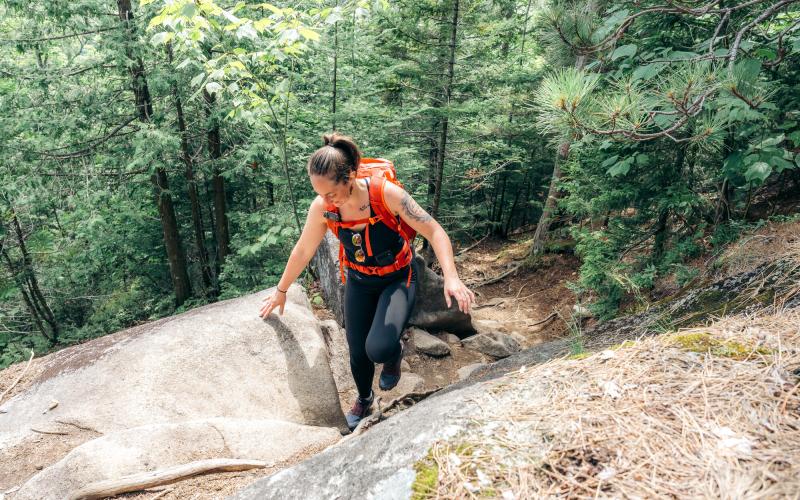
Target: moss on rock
x: 424, y: 485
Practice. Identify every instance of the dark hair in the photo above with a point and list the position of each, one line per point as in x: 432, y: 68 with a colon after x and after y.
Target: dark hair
x: 336, y: 159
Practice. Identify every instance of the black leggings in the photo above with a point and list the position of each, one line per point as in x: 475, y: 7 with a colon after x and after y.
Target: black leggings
x: 376, y: 310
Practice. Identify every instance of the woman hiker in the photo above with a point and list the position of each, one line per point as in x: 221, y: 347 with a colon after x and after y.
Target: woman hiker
x: 381, y: 279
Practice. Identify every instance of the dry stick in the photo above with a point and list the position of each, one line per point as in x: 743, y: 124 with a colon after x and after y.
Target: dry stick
x: 552, y: 315
x: 18, y: 378
x: 460, y: 252
x: 60, y: 433
x: 137, y: 482
x: 786, y: 399
x: 497, y: 278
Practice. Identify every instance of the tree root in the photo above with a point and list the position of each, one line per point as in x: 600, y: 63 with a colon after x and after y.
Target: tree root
x: 409, y: 399
x: 497, y: 278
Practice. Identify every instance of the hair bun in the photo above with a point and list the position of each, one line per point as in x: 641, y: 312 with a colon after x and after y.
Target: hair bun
x: 329, y: 139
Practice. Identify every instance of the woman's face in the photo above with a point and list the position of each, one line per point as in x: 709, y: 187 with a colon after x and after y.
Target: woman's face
x: 331, y: 192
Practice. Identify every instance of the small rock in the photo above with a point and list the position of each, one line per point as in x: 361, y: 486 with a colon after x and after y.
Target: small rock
x: 39, y: 467
x: 581, y: 312
x: 607, y: 354
x: 466, y: 371
x: 487, y: 326
x: 428, y: 344
x: 451, y: 339
x: 409, y: 382
x: 404, y: 366
x: 498, y: 345
x: 518, y: 337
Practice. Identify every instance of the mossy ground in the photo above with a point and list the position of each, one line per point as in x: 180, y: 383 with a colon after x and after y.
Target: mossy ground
x: 424, y: 485
x: 704, y: 342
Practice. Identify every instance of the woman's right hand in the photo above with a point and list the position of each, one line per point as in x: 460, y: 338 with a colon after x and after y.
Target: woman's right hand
x: 277, y: 299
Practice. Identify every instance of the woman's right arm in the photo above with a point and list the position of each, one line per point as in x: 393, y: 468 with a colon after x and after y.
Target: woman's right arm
x: 303, y: 251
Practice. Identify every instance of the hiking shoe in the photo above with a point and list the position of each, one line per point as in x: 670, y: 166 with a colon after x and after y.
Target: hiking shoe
x: 359, y: 410
x: 390, y: 375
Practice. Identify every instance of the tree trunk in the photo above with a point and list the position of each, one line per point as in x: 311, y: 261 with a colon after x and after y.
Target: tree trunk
x: 539, y: 237
x: 511, y: 212
x: 26, y: 278
x: 218, y: 184
x: 335, y: 71
x: 191, y: 188
x: 448, y: 89
x: 37, y: 320
x: 270, y: 194
x: 498, y: 219
x: 144, y: 109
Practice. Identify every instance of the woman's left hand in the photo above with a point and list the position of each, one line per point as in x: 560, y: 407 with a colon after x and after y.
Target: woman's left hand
x: 453, y: 287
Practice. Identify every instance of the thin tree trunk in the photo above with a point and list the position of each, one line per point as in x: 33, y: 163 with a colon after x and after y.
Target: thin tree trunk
x: 498, y: 219
x: 448, y: 89
x: 144, y: 108
x: 191, y: 188
x: 218, y: 184
x: 335, y: 71
x: 553, y: 194
x: 511, y: 212
x: 29, y: 274
x: 270, y: 194
x: 37, y: 320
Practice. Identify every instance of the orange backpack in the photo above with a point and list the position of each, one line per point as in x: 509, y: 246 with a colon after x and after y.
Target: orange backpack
x: 379, y: 171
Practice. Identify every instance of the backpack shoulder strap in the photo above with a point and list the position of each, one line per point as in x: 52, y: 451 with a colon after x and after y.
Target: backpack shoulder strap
x: 377, y: 187
x: 331, y: 215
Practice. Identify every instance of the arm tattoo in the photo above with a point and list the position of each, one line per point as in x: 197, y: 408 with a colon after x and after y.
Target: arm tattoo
x: 413, y: 209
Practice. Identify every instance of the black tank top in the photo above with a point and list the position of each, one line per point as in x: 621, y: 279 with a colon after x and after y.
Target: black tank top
x: 385, y: 242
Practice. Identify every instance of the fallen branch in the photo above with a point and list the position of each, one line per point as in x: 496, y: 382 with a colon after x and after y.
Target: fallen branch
x: 59, y: 433
x: 497, y: 278
x: 461, y: 252
x: 552, y: 315
x: 18, y: 378
x: 137, y: 482
x: 81, y: 427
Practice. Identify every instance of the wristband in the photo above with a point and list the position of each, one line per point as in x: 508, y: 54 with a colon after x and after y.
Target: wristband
x: 279, y: 289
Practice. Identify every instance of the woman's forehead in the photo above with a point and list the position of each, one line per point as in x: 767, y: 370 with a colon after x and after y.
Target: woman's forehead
x: 323, y: 183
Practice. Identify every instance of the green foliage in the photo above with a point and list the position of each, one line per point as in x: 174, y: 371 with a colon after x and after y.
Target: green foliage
x: 260, y: 252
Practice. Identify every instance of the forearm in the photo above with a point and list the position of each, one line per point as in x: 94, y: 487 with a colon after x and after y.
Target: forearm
x: 444, y: 252
x: 298, y: 260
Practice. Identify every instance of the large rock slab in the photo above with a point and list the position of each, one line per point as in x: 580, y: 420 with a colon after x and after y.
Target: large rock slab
x: 376, y: 464
x: 158, y: 446
x: 325, y: 264
x: 430, y: 311
x: 220, y: 360
x: 338, y: 354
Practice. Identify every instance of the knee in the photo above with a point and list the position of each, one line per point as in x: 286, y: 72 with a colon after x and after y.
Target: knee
x: 382, y: 350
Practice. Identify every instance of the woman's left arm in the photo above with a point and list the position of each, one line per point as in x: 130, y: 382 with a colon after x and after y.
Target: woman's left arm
x: 401, y: 203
